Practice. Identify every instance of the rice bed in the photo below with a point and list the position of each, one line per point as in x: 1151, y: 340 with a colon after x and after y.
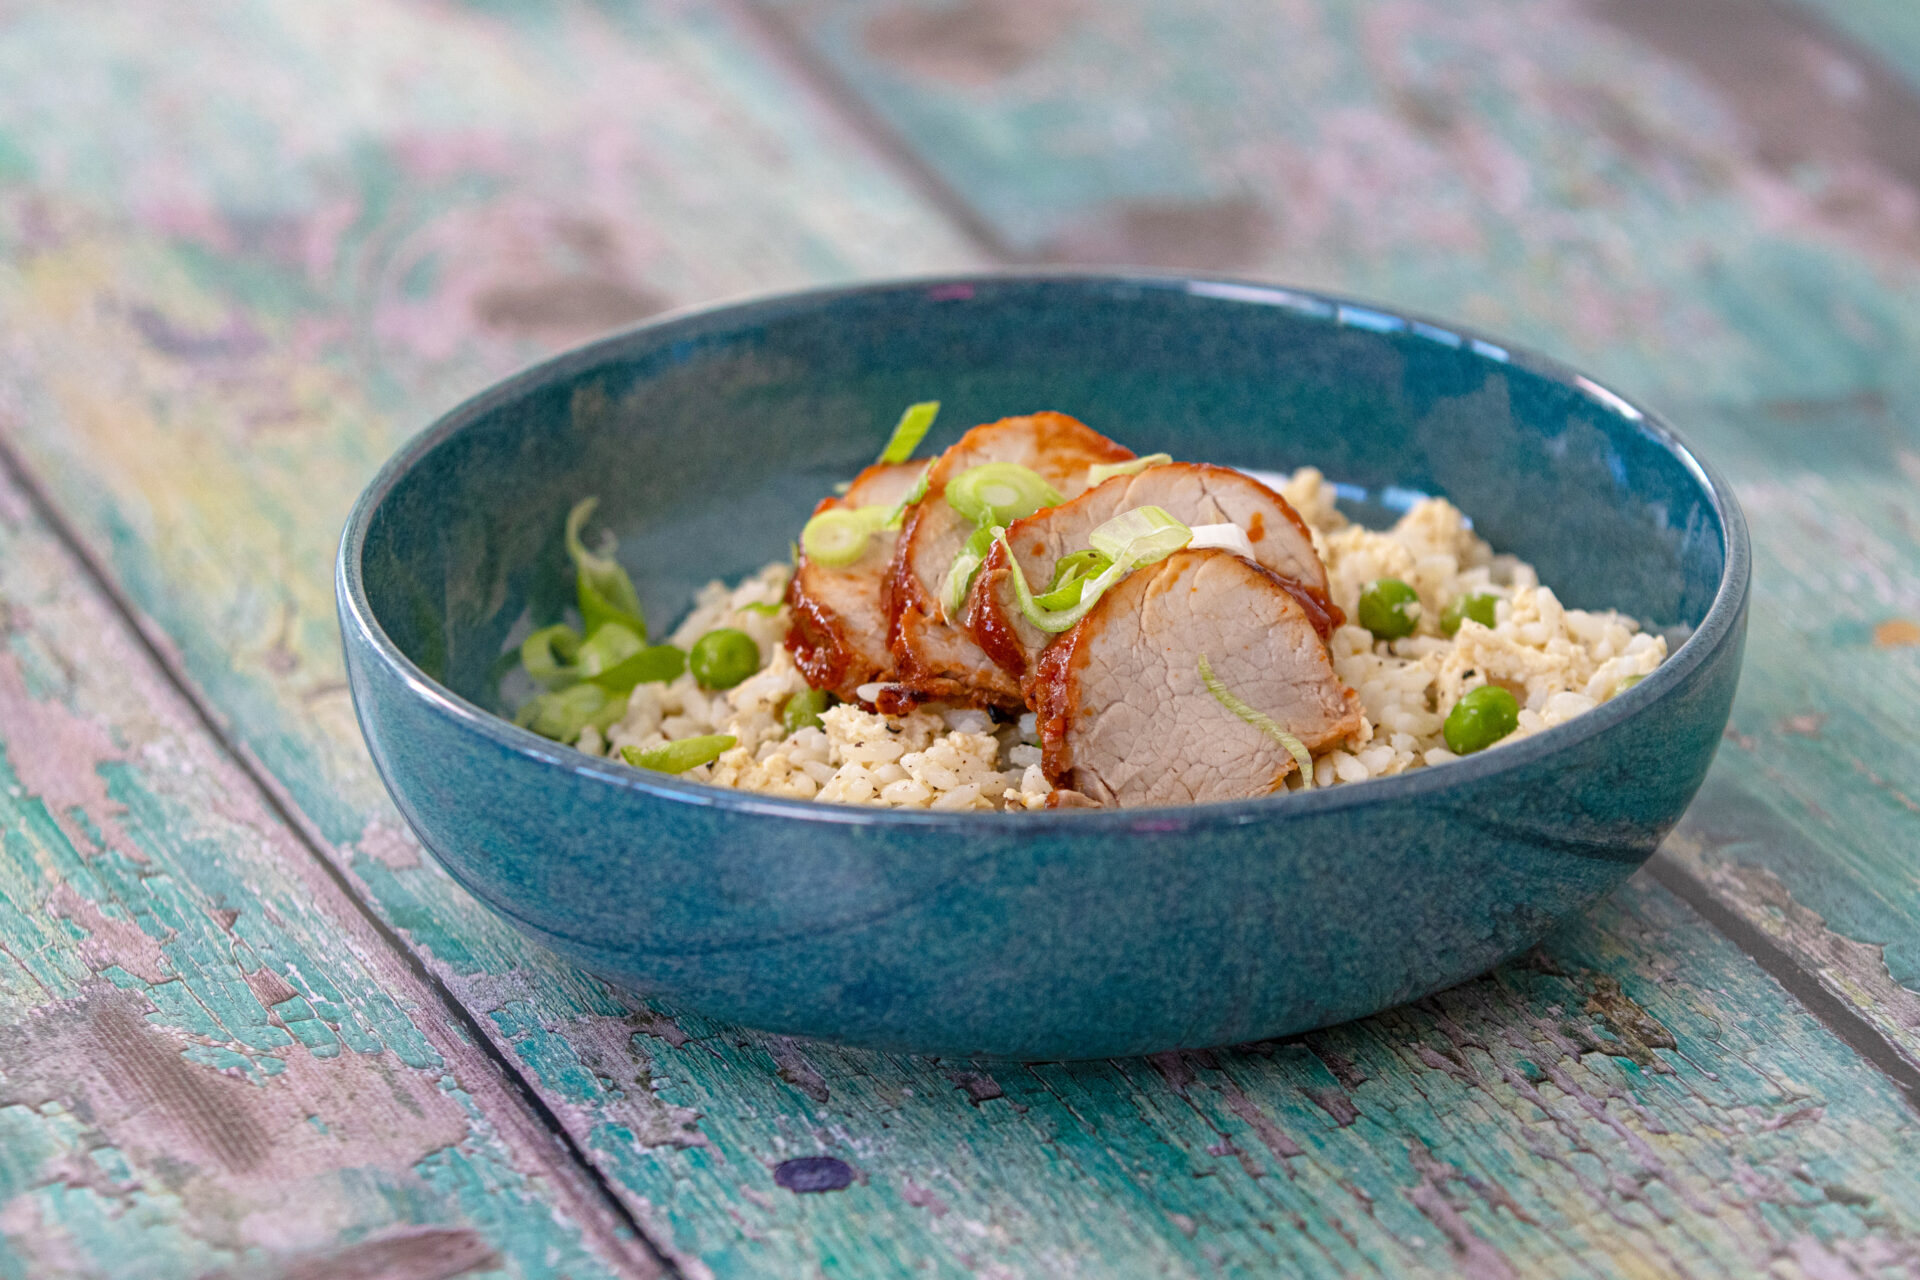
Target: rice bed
x: 1557, y: 661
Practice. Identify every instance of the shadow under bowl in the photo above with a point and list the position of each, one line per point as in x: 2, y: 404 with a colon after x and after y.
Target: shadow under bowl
x: 709, y: 436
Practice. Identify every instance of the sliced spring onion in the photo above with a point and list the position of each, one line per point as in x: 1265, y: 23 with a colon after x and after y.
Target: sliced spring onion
x: 656, y: 663
x: 1131, y: 467
x: 1141, y: 535
x: 1258, y: 719
x: 1054, y: 621
x: 966, y: 565
x: 678, y: 757
x: 1226, y: 537
x: 910, y: 431
x: 611, y: 644
x: 550, y: 654
x: 765, y: 608
x: 1132, y: 539
x: 605, y: 591
x: 838, y: 537
x: 1070, y: 577
x: 999, y: 493
x: 898, y: 515
x: 561, y: 715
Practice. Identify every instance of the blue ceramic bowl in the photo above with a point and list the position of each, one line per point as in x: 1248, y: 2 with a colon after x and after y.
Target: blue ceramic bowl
x: 709, y: 436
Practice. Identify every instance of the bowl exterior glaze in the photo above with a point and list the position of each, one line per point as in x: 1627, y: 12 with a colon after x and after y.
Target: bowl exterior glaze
x: 1048, y: 935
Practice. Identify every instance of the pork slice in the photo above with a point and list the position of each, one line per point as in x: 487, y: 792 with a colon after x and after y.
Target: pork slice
x: 1125, y: 717
x: 935, y: 656
x: 839, y: 632
x: 1192, y: 493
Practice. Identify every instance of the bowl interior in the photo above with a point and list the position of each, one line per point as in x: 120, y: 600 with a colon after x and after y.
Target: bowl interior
x: 709, y: 439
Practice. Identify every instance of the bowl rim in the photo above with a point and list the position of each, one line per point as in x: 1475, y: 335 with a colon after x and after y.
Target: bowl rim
x: 1729, y: 601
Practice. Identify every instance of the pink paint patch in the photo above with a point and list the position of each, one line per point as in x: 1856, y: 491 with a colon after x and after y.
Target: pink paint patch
x: 62, y: 769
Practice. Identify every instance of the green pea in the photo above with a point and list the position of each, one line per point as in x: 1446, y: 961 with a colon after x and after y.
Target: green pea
x: 1389, y: 608
x: 1478, y: 607
x: 722, y: 659
x: 1481, y: 718
x: 803, y: 710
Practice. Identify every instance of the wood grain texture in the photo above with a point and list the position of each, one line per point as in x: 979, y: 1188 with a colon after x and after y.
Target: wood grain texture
x: 1715, y: 203
x: 210, y: 1062
x: 220, y: 326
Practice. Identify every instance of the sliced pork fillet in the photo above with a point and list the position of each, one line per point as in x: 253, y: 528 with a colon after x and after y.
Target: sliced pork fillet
x: 934, y: 656
x: 1124, y: 716
x: 839, y: 632
x: 1192, y: 493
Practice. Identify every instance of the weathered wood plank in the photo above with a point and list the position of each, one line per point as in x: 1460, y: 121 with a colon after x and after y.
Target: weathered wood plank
x: 209, y: 366
x: 210, y: 1061
x: 1714, y: 202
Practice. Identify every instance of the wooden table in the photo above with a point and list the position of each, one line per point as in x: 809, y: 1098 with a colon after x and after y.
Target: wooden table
x: 248, y: 248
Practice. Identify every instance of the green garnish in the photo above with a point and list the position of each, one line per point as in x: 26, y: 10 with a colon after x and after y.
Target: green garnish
x: 1141, y: 535
x: 611, y: 644
x: 587, y: 681
x: 765, y: 608
x: 1131, y: 467
x: 1070, y: 576
x: 1389, y: 608
x: 803, y: 710
x: 604, y: 590
x: 965, y: 567
x: 678, y: 757
x: 838, y: 537
x: 910, y: 431
x: 1258, y: 719
x: 549, y: 655
x: 1000, y: 493
x: 1626, y: 683
x: 1132, y: 539
x: 723, y: 658
x: 1479, y: 607
x: 1481, y: 718
x: 655, y: 664
x: 561, y: 715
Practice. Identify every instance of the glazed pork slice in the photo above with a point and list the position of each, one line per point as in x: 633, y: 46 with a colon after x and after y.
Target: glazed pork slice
x: 1192, y: 493
x: 839, y: 632
x: 934, y: 656
x: 1124, y: 716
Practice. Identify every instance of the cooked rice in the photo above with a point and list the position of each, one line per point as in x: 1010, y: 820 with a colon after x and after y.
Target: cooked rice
x: 1557, y: 661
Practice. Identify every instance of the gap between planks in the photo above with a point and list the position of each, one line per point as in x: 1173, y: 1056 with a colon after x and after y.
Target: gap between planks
x: 159, y: 649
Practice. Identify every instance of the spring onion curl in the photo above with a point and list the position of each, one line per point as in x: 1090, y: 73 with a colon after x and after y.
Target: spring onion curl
x: 1141, y: 535
x: 910, y: 431
x: 561, y: 715
x: 682, y: 755
x: 604, y: 590
x: 960, y: 575
x: 1259, y: 720
x: 1131, y: 540
x: 1131, y: 467
x: 838, y: 536
x: 655, y: 664
x: 550, y: 654
x: 586, y: 681
x: 1070, y: 576
x: 1000, y: 493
